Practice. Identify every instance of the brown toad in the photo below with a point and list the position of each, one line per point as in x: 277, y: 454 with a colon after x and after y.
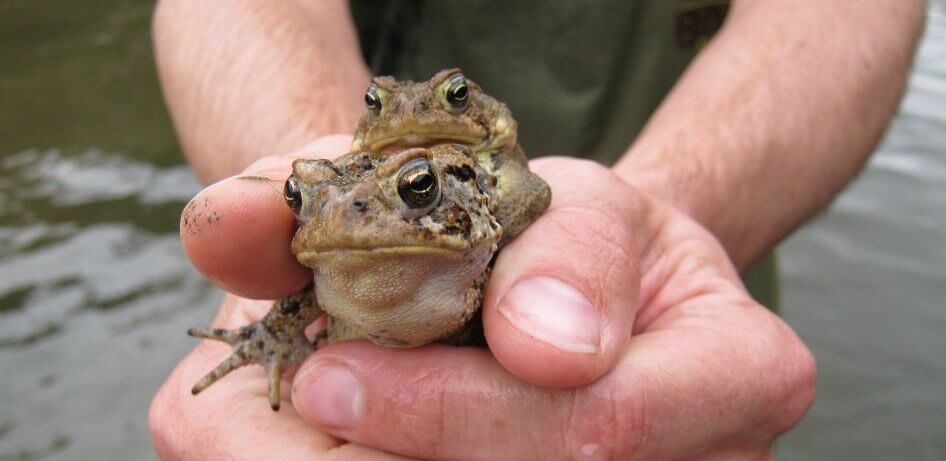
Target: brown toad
x: 400, y: 245
x: 451, y: 108
x: 401, y: 232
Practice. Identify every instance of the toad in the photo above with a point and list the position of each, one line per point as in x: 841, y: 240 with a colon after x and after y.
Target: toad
x: 452, y: 108
x: 401, y: 232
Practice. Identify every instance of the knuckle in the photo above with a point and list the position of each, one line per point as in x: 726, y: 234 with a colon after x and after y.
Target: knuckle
x: 429, y: 417
x: 604, y: 423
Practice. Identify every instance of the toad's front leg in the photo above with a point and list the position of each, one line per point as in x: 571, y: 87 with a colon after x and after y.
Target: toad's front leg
x: 276, y: 342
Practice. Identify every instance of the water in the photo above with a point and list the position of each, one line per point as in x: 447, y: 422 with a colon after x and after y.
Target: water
x: 95, y: 293
x: 865, y: 287
x: 94, y: 288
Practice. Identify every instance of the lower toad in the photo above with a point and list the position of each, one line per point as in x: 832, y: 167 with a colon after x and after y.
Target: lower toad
x: 400, y: 245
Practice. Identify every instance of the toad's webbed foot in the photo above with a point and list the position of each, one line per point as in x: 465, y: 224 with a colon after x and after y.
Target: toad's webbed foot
x: 255, y: 343
x: 276, y: 342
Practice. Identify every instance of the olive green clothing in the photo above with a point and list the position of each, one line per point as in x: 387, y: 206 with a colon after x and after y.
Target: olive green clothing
x: 581, y: 77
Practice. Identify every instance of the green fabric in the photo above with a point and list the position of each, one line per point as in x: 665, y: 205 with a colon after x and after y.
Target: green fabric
x: 581, y: 78
x: 762, y: 281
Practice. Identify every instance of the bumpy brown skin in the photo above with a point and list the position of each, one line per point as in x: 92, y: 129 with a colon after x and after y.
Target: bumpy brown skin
x: 398, y: 274
x: 413, y: 114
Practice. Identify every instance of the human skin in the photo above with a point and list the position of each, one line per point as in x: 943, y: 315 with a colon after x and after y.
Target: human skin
x: 682, y: 361
x: 776, y: 115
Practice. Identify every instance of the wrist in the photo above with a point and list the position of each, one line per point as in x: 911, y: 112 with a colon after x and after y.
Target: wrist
x: 688, y: 191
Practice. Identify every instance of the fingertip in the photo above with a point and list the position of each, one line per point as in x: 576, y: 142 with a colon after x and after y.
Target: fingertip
x: 327, y: 394
x: 552, y: 339
x: 237, y: 233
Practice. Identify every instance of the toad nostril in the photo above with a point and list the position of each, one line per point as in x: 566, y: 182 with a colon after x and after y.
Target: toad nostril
x: 359, y: 205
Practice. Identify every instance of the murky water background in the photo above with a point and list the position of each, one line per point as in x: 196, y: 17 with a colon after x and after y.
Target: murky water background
x: 95, y: 293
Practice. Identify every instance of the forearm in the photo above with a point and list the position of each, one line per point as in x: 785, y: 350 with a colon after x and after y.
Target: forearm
x: 249, y: 78
x: 776, y: 115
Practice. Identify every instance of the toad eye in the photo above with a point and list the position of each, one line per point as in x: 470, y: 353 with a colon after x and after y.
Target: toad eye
x: 373, y: 99
x: 457, y: 91
x: 417, y: 185
x: 293, y: 195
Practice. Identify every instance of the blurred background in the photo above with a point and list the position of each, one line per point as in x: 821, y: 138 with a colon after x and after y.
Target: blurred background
x: 96, y: 294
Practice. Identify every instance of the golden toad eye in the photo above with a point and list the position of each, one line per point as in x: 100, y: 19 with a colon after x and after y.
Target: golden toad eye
x: 457, y: 91
x: 293, y: 195
x: 372, y: 98
x: 417, y: 184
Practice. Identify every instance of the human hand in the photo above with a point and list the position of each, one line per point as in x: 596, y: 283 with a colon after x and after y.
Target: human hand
x: 608, y: 287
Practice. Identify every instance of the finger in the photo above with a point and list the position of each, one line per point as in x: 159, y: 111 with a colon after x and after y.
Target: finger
x: 561, y: 300
x: 687, y: 388
x: 442, y: 402
x: 232, y: 419
x: 237, y: 231
x: 435, y: 402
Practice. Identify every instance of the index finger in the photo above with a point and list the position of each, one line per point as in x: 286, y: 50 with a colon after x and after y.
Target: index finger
x: 237, y: 231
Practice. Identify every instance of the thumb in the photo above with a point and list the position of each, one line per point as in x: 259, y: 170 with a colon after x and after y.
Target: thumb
x: 562, y: 297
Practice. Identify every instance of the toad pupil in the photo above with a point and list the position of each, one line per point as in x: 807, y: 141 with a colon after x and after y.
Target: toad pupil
x: 457, y: 92
x: 421, y: 182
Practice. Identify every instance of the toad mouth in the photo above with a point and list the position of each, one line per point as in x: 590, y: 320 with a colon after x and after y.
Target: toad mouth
x: 401, y: 250
x: 420, y: 139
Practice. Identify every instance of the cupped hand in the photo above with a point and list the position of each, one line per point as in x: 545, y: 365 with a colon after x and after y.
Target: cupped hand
x: 617, y: 328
